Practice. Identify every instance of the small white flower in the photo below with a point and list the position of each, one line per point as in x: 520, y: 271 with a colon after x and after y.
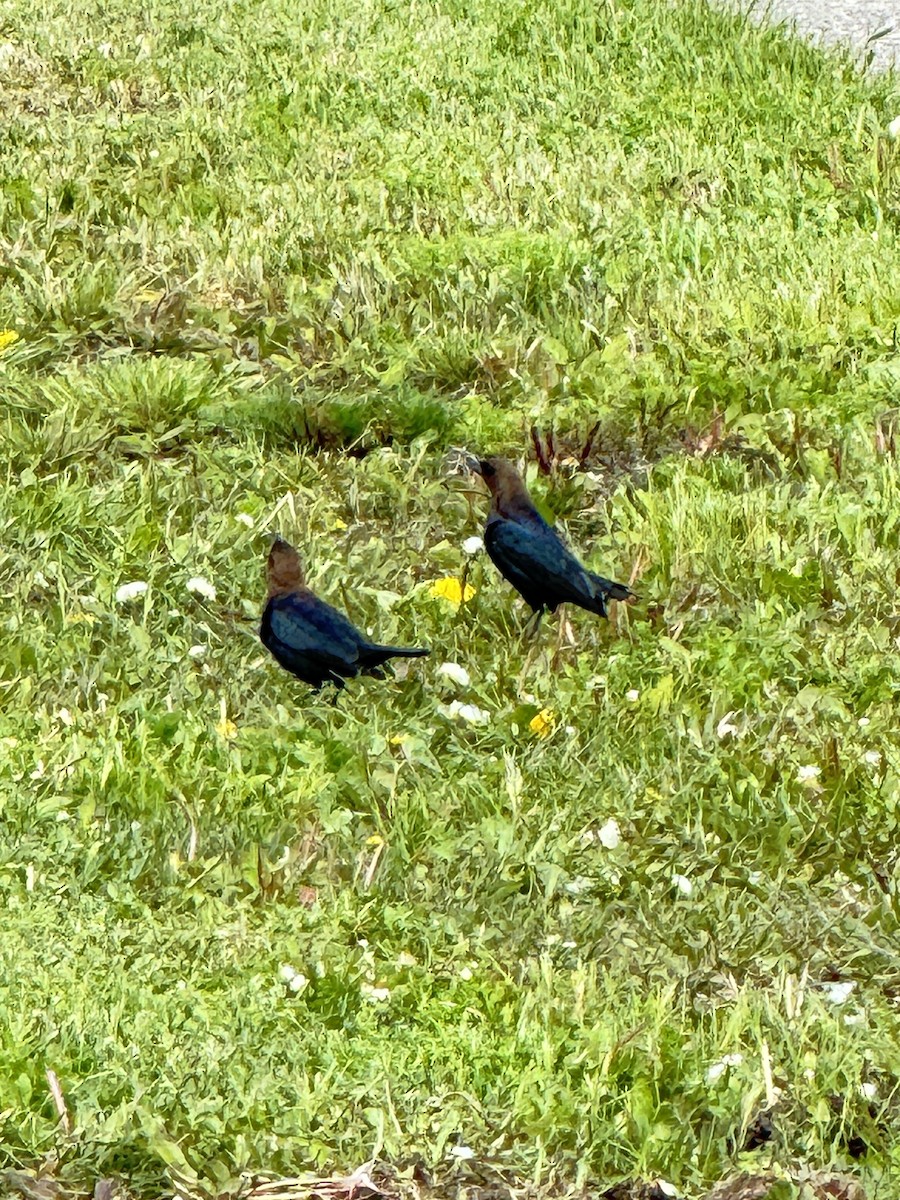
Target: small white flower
x: 473, y: 544
x: 130, y: 591
x: 376, y: 994
x: 868, y: 1091
x: 838, y: 992
x: 609, y: 835
x: 570, y: 945
x: 65, y: 717
x: 201, y: 587
x: 873, y: 758
x: 808, y: 773
x: 286, y: 972
x: 726, y: 726
x: 755, y: 878
x: 863, y: 722
x: 718, y: 1069
x: 667, y: 1189
x: 105, y: 49
x: 467, y: 712
x: 245, y: 519
x: 578, y: 885
x: 455, y: 672
x: 894, y: 128
x: 465, y: 974
x: 855, y: 1018
x: 198, y: 651
x: 62, y: 815
x: 465, y: 1153
x: 632, y: 695
x: 297, y: 982
x: 683, y: 884
x: 405, y: 959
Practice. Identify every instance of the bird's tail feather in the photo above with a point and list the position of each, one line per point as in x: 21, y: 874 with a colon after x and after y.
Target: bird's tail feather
x: 398, y: 651
x: 610, y: 590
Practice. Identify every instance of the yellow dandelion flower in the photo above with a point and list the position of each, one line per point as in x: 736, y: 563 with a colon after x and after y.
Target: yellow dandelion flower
x: 7, y: 337
x: 225, y: 727
x: 375, y: 840
x: 80, y: 618
x: 339, y: 524
x: 542, y: 723
x: 450, y: 588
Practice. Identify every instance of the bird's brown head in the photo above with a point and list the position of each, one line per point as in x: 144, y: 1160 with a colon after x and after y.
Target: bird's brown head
x: 506, y: 487
x: 284, y: 571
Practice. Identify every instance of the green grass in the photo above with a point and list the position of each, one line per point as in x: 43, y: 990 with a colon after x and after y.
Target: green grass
x: 267, y: 265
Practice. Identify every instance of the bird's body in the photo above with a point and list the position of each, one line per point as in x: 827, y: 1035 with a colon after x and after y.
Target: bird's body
x: 531, y: 555
x: 308, y: 637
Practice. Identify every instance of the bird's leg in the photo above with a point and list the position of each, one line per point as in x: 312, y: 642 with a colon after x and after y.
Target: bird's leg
x: 564, y: 633
x: 533, y: 624
x: 530, y: 634
x: 464, y: 579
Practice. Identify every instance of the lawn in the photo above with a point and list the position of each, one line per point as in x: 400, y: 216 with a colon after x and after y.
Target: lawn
x: 563, y: 918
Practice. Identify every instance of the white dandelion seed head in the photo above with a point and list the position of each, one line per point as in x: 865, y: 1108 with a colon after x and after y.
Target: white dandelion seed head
x: 454, y: 672
x: 609, y: 835
x: 201, y: 587
x: 472, y: 545
x: 838, y: 991
x: 130, y: 591
x: 198, y: 651
x: 377, y: 995
x: 470, y: 713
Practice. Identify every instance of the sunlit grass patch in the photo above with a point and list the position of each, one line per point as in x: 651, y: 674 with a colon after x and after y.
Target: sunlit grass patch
x: 564, y: 910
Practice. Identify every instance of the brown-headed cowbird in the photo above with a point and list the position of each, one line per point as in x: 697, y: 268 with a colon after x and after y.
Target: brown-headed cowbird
x: 531, y: 554
x: 308, y: 637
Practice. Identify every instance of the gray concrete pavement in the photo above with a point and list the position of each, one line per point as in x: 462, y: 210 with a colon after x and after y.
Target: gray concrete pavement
x: 848, y: 21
